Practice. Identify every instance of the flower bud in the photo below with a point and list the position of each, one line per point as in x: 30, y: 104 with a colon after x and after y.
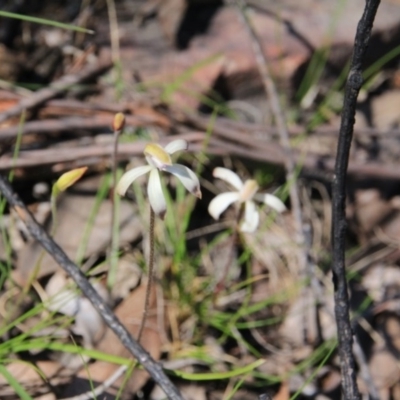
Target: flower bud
x: 118, y: 122
x: 67, y: 179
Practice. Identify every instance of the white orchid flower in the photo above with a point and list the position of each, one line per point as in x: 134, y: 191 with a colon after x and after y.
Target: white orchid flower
x: 245, y: 194
x: 159, y: 159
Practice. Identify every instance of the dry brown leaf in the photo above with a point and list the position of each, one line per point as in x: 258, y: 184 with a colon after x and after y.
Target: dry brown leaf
x: 283, y: 392
x: 285, y: 51
x: 330, y: 380
x: 30, y: 379
x: 384, y: 370
x: 189, y: 392
x: 127, y: 277
x: 370, y: 209
x: 129, y: 313
x: 379, y: 278
x: 385, y: 113
x: 274, y: 249
x: 304, y: 307
x: 72, y: 214
x: 9, y: 66
x: 170, y: 13
x: 191, y: 73
x: 396, y: 391
x: 68, y: 301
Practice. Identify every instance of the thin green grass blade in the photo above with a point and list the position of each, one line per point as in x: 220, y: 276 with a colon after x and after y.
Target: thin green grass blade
x: 44, y: 21
x: 212, y: 376
x: 6, y: 268
x: 100, y: 196
x: 236, y: 387
x: 176, y: 85
x: 44, y: 344
x: 315, y: 372
x: 19, y: 390
x: 114, y: 250
x: 379, y: 64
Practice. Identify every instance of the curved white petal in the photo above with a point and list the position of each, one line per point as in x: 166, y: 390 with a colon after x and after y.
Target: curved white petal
x: 176, y: 145
x: 251, y: 217
x: 272, y: 201
x: 186, y: 176
x: 221, y: 202
x: 156, y: 195
x: 66, y: 301
x: 129, y: 177
x: 228, y: 176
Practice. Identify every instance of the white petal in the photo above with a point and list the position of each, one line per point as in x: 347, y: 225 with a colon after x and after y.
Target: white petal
x: 228, y: 176
x: 272, y: 201
x: 65, y: 302
x: 176, y: 145
x: 156, y: 195
x: 250, y: 218
x: 186, y: 176
x: 221, y: 202
x: 129, y: 177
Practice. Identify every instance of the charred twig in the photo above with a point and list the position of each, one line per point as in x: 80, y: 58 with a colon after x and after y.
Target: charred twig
x: 55, y: 89
x: 153, y: 368
x: 342, y: 307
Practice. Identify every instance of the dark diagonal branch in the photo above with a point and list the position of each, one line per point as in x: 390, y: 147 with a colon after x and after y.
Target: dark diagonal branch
x: 342, y: 307
x: 153, y: 368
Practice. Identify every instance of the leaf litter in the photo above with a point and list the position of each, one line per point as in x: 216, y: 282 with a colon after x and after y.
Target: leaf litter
x: 263, y: 311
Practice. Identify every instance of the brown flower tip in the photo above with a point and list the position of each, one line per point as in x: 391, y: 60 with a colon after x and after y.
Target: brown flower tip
x: 118, y: 122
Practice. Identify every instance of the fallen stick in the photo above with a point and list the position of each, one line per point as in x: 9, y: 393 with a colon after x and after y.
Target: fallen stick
x: 55, y: 89
x: 319, y: 165
x: 95, y: 123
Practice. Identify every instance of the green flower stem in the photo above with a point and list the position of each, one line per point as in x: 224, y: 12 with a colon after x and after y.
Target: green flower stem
x: 36, y: 268
x: 53, y: 203
x: 113, y: 256
x: 150, y: 273
x: 234, y: 238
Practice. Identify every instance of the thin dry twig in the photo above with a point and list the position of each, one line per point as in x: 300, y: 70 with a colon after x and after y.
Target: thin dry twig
x: 118, y: 125
x: 97, y: 391
x: 222, y: 143
x: 342, y: 306
x: 289, y: 159
x: 55, y: 89
x: 153, y: 368
x: 270, y: 88
x: 315, y: 165
x: 75, y: 123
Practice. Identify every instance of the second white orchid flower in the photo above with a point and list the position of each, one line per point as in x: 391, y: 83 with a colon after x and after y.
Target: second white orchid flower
x: 245, y: 194
x: 159, y: 159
